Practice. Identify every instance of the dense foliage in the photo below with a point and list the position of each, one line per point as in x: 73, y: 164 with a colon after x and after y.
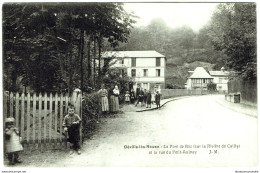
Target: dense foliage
x: 233, y: 30
x: 58, y: 46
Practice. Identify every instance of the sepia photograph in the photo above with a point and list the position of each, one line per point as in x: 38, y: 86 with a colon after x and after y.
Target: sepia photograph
x: 129, y: 85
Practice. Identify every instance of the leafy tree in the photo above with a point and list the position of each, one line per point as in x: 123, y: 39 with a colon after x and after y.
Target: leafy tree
x: 233, y: 30
x: 56, y: 46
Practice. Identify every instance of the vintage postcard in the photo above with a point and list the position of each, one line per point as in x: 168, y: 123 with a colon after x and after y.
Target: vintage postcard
x: 129, y: 85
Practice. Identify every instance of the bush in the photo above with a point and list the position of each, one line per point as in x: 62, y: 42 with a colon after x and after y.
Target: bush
x: 91, y: 108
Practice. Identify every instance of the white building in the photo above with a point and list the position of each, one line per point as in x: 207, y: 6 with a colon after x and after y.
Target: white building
x: 146, y: 67
x: 200, y: 78
x: 221, y: 79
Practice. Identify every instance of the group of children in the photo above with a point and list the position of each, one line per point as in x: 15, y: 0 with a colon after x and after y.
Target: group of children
x: 13, y: 141
x: 146, y: 98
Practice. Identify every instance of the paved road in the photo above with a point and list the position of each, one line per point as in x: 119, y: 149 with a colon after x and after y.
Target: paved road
x: 194, y: 122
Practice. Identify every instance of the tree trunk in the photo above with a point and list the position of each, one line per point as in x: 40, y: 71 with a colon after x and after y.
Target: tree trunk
x: 94, y: 65
x: 99, y: 57
x: 81, y: 59
x: 89, y: 64
x: 70, y: 70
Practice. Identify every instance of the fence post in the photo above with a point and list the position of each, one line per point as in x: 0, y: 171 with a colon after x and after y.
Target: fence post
x: 61, y: 117
x: 22, y: 116
x: 56, y: 119
x: 28, y: 119
x: 17, y: 110
x: 34, y: 115
x: 45, y: 120
x: 40, y: 121
x: 50, y: 120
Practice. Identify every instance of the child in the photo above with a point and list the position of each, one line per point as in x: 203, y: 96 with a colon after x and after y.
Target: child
x: 12, y: 142
x: 71, y: 128
x: 157, y: 99
x: 149, y: 99
x: 127, y: 97
x: 132, y: 96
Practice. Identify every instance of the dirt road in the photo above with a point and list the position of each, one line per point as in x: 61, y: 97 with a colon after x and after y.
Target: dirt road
x: 211, y: 135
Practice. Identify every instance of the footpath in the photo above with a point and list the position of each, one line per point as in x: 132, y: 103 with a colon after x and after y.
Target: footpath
x: 163, y: 102
x: 238, y: 107
x: 220, y: 99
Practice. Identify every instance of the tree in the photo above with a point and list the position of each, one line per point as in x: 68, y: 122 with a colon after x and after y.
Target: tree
x: 233, y: 30
x: 53, y: 44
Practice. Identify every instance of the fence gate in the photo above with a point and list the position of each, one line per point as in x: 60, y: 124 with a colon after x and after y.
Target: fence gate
x: 39, y: 117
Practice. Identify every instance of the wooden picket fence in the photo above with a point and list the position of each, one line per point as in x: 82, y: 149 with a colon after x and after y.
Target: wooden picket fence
x: 39, y: 117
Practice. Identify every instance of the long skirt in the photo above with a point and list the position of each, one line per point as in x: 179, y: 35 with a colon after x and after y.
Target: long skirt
x: 153, y: 98
x: 104, y: 104
x: 115, y: 104
x: 111, y: 104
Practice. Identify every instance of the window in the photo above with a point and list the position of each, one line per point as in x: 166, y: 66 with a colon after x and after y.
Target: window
x: 133, y: 62
x: 133, y: 72
x: 145, y: 72
x: 158, y: 72
x: 220, y: 80
x: 158, y: 62
x: 120, y: 61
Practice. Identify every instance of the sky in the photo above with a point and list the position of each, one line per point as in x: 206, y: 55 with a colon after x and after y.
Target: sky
x: 195, y: 15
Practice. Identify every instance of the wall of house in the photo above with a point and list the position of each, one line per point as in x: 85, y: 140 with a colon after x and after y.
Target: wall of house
x: 151, y: 72
x: 221, y: 82
x: 148, y: 81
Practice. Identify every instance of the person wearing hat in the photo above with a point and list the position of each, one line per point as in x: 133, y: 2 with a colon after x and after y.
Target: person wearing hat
x: 12, y: 141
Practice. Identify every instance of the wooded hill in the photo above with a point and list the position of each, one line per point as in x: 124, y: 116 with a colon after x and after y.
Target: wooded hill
x: 228, y: 40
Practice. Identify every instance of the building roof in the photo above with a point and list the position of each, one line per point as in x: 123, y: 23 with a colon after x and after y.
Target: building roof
x: 200, y: 73
x: 135, y: 54
x: 219, y: 73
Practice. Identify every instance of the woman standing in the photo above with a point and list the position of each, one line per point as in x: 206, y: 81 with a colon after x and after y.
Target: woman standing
x: 115, y: 106
x: 104, y: 100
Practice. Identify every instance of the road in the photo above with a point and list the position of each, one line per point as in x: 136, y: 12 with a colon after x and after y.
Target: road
x: 211, y: 135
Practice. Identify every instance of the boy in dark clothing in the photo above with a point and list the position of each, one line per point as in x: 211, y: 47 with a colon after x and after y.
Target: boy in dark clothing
x: 157, y: 99
x: 140, y: 97
x: 71, y: 128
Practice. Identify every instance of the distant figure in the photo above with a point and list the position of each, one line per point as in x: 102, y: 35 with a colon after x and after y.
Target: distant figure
x: 145, y: 97
x: 12, y: 142
x: 149, y: 99
x: 132, y: 96
x: 137, y: 92
x: 153, y: 95
x: 140, y: 97
x: 71, y: 129
x: 115, y: 105
x: 104, y: 100
x: 127, y: 97
x: 157, y: 99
